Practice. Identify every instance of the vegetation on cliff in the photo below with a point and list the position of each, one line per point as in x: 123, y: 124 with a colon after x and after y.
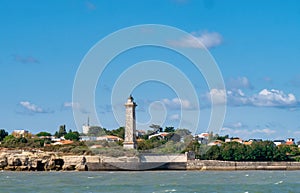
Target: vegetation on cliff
x: 3, y: 134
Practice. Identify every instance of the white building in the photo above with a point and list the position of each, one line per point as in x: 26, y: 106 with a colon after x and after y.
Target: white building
x: 86, y: 127
x: 202, y: 138
x: 20, y: 133
x: 279, y: 142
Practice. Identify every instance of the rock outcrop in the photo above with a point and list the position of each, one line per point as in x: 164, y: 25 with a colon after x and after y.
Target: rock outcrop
x: 18, y: 160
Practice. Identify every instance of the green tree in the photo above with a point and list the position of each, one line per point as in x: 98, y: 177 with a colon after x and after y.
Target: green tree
x: 74, y: 136
x: 169, y: 129
x: 227, y: 151
x: 193, y: 145
x: 222, y: 138
x: 156, y: 127
x: 264, y: 151
x: 143, y: 145
x: 120, y: 132
x: 8, y: 138
x: 282, y: 153
x: 23, y: 140
x: 214, y: 153
x: 43, y: 133
x: 61, y: 132
x: 3, y: 134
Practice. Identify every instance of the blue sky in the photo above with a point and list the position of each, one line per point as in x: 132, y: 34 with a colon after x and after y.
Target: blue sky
x: 256, y: 45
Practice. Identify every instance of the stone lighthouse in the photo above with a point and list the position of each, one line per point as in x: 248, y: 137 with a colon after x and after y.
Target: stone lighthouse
x: 130, y: 130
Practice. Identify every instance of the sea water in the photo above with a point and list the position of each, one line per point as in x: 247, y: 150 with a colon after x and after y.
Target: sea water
x: 151, y: 181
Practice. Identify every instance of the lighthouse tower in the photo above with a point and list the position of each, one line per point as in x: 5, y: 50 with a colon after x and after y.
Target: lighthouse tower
x: 130, y: 130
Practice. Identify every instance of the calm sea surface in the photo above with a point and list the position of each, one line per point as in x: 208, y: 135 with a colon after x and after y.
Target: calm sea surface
x: 150, y: 182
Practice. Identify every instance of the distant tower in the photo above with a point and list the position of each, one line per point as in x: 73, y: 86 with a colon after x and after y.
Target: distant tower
x: 130, y: 130
x: 86, y: 128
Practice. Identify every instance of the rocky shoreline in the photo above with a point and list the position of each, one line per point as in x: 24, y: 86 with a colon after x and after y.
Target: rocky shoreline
x: 20, y: 160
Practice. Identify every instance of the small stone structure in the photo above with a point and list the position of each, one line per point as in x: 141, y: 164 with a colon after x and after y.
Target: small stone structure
x: 130, y: 125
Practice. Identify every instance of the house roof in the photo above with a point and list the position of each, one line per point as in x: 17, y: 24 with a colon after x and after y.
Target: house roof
x: 247, y: 142
x: 278, y: 140
x: 289, y: 143
x: 239, y: 140
x: 216, y: 142
x: 203, y: 135
x: 111, y: 137
x: 163, y: 134
x: 63, y: 142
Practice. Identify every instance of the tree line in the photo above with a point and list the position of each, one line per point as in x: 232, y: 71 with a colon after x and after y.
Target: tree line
x: 257, y: 151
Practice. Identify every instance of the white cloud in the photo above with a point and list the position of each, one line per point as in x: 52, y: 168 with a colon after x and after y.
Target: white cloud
x: 217, y: 96
x: 32, y: 107
x: 177, y: 103
x: 236, y: 125
x: 199, y: 40
x: 265, y: 98
x: 273, y: 98
x: 237, y: 98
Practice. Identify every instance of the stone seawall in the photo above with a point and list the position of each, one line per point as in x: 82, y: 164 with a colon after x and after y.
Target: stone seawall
x: 232, y: 165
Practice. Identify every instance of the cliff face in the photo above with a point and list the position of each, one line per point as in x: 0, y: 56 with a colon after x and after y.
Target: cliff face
x: 18, y: 160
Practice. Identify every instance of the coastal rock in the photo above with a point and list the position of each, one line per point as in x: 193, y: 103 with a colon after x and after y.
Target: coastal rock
x: 17, y: 162
x: 10, y: 168
x: 81, y: 167
x: 54, y: 164
x: 50, y: 165
x: 3, y: 162
x: 69, y: 167
x: 74, y: 162
x: 22, y: 168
